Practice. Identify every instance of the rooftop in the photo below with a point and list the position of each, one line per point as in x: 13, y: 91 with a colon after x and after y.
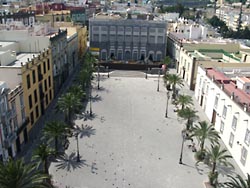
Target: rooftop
x: 229, y: 86
x: 4, y: 44
x: 23, y: 58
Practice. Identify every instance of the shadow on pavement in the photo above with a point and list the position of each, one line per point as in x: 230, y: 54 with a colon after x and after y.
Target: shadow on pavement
x: 69, y: 162
x: 86, y: 130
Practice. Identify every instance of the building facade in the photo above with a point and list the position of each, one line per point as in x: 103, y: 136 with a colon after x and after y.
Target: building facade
x: 82, y: 35
x: 27, y: 18
x: 223, y: 95
x: 130, y: 39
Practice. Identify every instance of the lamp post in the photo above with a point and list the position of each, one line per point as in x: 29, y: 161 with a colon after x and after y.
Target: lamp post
x: 108, y: 70
x: 98, y: 77
x: 158, y: 85
x: 90, y: 102
x: 146, y: 75
x: 183, y: 134
x: 77, y: 146
x: 168, y: 97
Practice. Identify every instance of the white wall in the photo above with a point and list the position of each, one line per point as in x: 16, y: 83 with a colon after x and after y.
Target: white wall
x: 6, y: 58
x: 34, y: 44
x: 233, y: 109
x: 11, y: 75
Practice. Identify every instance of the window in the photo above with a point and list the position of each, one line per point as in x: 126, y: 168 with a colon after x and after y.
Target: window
x: 136, y: 39
x: 34, y: 76
x: 247, y: 137
x: 45, y: 85
x: 143, y: 39
x: 243, y: 155
x: 231, y: 140
x: 35, y: 96
x: 152, y: 30
x: 49, y: 81
x: 104, y: 38
x: 216, y: 102
x: 23, y: 114
x: 247, y: 87
x: 50, y: 94
x: 37, y: 112
x: 21, y: 100
x: 95, y: 37
x: 112, y: 28
x: 128, y: 38
x: 46, y: 99
x: 224, y: 113
x: 48, y: 64
x: 31, y: 117
x: 28, y: 81
x: 221, y: 127
x: 160, y: 30
x: 160, y: 40
x: 112, y: 38
x: 44, y: 67
x: 151, y: 39
x: 30, y: 102
x: 234, y: 123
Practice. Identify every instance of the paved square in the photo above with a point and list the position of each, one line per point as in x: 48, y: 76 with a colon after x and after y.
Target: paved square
x: 129, y: 142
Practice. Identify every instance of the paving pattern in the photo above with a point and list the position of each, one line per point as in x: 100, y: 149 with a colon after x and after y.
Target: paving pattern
x: 129, y: 143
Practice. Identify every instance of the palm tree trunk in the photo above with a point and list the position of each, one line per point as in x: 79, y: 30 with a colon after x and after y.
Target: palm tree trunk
x: 202, y: 145
x: 182, y: 106
x: 46, y: 166
x: 213, y: 167
x: 56, y: 144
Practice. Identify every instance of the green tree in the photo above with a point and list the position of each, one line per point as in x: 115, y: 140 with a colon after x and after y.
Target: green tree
x: 184, y: 100
x: 55, y: 130
x: 238, y: 182
x: 203, y: 132
x: 77, y: 91
x: 42, y: 154
x: 16, y: 174
x: 189, y: 115
x: 217, y: 156
x: 69, y: 104
x: 173, y: 80
x: 84, y: 77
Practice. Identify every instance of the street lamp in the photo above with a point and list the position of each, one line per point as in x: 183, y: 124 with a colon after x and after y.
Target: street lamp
x: 168, y: 97
x: 98, y: 77
x: 77, y: 146
x: 146, y: 75
x: 158, y: 85
x: 108, y: 70
x: 183, y: 134
x: 90, y: 102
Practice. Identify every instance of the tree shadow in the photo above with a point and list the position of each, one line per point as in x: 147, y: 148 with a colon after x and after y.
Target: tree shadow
x: 69, y: 162
x: 96, y: 98
x: 225, y: 170
x: 86, y: 130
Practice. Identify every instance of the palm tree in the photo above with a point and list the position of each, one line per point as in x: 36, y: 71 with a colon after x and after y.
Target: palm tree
x: 189, y: 115
x: 216, y: 156
x: 16, y: 174
x: 42, y: 154
x: 77, y: 91
x: 184, y: 100
x: 204, y: 132
x: 238, y: 182
x: 174, y: 80
x: 68, y: 104
x: 55, y: 130
x: 83, y: 77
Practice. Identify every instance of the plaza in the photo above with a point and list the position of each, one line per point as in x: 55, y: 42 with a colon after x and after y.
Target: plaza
x: 128, y: 142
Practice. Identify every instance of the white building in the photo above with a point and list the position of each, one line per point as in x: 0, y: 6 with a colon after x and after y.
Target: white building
x: 223, y: 97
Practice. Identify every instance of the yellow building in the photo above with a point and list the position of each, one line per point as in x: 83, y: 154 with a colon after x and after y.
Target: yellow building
x: 54, y: 17
x: 37, y: 79
x: 82, y: 33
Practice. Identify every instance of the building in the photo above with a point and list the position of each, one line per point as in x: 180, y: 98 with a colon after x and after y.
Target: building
x: 26, y: 18
x: 82, y: 34
x: 6, y: 150
x: 133, y: 38
x: 33, y: 71
x: 224, y: 96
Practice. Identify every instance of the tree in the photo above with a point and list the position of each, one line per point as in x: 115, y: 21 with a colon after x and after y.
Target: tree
x: 204, y: 132
x: 42, y: 154
x: 16, y: 174
x: 68, y: 104
x: 184, y: 100
x: 189, y: 115
x: 217, y: 156
x: 238, y: 182
x: 77, y: 91
x: 173, y: 80
x: 55, y: 130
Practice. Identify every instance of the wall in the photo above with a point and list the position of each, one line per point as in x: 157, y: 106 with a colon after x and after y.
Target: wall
x: 11, y: 75
x: 6, y: 58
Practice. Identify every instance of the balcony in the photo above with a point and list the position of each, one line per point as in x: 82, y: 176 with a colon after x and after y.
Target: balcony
x: 10, y: 139
x: 40, y: 77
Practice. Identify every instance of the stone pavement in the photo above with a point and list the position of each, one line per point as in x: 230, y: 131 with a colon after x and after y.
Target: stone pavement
x: 129, y: 142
